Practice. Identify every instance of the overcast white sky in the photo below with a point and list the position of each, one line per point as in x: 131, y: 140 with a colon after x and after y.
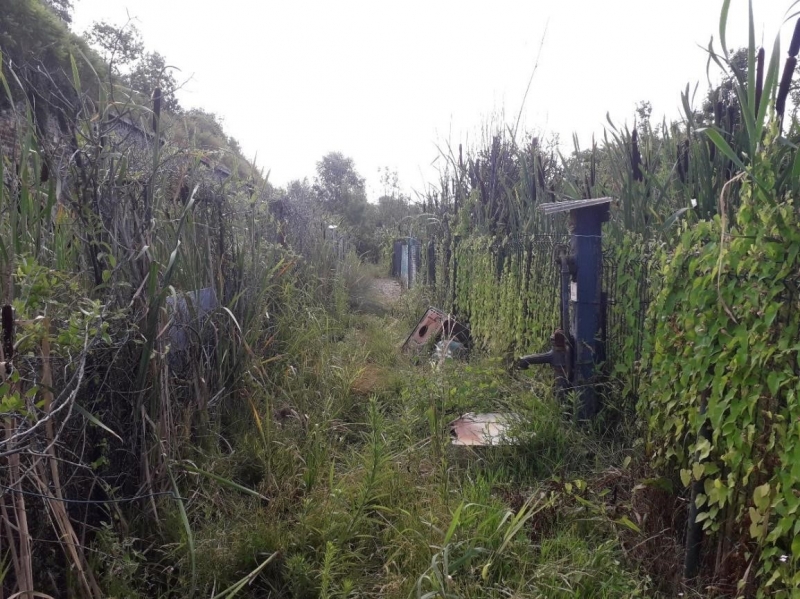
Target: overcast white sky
x: 385, y: 82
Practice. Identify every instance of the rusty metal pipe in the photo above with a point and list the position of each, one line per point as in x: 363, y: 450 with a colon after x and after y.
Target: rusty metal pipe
x: 525, y: 361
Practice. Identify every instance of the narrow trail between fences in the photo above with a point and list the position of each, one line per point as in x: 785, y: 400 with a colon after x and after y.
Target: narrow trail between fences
x: 386, y: 291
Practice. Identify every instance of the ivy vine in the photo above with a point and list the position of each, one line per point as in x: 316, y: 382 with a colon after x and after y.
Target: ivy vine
x: 725, y: 354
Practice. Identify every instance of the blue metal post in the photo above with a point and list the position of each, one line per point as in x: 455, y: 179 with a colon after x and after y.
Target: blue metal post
x: 585, y: 298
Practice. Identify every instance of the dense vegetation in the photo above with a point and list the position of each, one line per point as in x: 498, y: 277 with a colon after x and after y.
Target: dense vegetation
x: 702, y: 238
x: 204, y: 394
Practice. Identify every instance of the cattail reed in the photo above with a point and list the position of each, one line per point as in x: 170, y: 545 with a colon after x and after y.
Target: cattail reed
x: 686, y: 156
x: 783, y: 90
x: 683, y: 160
x: 156, y: 107
x: 8, y: 333
x: 590, y: 176
x: 759, y: 77
x: 732, y: 118
x: 794, y: 46
x: 788, y: 71
x: 540, y: 173
x: 636, y: 157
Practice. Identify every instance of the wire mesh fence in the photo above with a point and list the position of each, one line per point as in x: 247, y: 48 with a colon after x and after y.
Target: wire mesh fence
x: 509, y: 292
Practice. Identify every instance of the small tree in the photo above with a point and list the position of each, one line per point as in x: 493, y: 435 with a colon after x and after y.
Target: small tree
x: 62, y: 8
x: 122, y: 49
x: 340, y: 188
x: 151, y: 72
x: 119, y: 46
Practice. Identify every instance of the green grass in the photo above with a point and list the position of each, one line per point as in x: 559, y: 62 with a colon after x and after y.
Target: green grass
x: 365, y: 496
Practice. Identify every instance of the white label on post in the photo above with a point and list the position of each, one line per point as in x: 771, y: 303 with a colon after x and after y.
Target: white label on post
x: 573, y: 291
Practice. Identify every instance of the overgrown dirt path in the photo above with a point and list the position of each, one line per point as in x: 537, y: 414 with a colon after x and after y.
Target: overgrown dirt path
x: 380, y: 297
x: 354, y: 484
x: 386, y: 291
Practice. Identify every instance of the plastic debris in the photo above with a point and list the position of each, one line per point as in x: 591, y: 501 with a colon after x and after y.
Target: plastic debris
x: 482, y: 429
x: 449, y: 349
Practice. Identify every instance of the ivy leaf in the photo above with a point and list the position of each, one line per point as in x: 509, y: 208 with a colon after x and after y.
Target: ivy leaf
x: 755, y: 524
x: 703, y: 448
x: 773, y: 382
x: 761, y: 496
x: 686, y: 476
x: 770, y: 313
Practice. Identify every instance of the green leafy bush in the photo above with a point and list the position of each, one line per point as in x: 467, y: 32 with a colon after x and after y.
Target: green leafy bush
x: 726, y: 355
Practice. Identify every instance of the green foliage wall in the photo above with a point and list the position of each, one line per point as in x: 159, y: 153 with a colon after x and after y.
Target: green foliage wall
x: 509, y: 292
x: 725, y: 354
